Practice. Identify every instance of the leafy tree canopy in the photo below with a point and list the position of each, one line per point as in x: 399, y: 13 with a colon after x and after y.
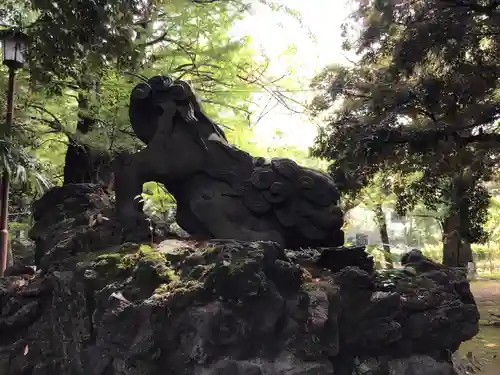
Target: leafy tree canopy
x: 71, y: 39
x: 82, y: 50
x: 423, y: 99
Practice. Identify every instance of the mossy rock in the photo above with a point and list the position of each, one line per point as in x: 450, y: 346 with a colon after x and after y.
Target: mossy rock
x: 147, y: 267
x: 230, y: 271
x: 179, y: 294
x: 115, y: 263
x: 151, y: 266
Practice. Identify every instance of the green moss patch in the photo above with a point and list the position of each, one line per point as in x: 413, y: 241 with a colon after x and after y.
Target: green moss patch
x: 151, y: 266
x: 148, y: 267
x: 232, y: 272
x: 180, y: 294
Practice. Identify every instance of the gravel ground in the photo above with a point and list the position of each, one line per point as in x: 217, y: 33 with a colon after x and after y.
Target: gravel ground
x: 485, y: 347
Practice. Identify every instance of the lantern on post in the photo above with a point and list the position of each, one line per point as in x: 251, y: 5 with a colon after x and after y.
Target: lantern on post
x: 13, y: 46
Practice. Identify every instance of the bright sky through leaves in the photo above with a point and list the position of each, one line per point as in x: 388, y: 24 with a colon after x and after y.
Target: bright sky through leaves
x: 274, y: 32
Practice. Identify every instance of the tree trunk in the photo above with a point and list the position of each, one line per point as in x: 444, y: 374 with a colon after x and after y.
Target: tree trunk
x: 82, y: 163
x: 457, y: 252
x: 77, y: 165
x: 384, y: 236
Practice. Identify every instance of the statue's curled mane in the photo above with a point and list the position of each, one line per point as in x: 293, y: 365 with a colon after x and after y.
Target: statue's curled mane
x: 146, y: 100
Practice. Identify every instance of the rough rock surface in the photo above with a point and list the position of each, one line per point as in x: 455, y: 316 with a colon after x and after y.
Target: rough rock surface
x: 332, y: 258
x: 98, y: 307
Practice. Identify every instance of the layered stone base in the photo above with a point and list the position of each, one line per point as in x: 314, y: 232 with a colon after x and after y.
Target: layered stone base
x: 99, y: 307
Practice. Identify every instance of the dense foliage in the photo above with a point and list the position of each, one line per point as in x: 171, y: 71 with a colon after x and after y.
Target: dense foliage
x: 423, y: 100
x: 83, y: 74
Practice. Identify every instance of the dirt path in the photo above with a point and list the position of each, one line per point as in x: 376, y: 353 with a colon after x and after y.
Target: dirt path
x: 486, y: 290
x: 485, y: 347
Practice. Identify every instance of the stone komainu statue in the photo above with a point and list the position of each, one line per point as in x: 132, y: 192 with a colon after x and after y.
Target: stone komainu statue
x: 221, y: 191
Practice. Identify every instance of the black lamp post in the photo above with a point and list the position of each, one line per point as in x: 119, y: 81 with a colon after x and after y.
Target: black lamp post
x: 13, y: 43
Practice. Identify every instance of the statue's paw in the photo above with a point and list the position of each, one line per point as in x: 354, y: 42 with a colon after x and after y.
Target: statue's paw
x: 137, y: 228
